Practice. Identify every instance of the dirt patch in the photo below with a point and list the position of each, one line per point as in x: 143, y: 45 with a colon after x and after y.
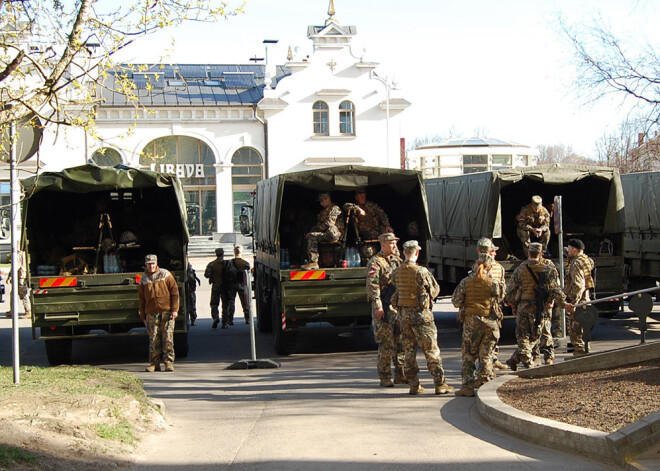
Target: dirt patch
x: 604, y: 400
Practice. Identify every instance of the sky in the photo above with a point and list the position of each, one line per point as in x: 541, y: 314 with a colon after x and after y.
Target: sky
x: 494, y: 68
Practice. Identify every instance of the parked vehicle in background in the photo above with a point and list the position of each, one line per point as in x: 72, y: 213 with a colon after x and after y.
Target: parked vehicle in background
x: 87, y: 230
x: 641, y: 239
x: 464, y: 208
x: 284, y: 210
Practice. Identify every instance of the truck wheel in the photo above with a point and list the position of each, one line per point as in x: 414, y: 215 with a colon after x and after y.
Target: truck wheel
x: 58, y: 351
x: 181, y: 344
x: 264, y: 322
x: 283, y: 342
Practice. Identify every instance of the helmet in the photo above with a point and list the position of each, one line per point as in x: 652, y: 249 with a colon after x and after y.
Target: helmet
x: 127, y: 237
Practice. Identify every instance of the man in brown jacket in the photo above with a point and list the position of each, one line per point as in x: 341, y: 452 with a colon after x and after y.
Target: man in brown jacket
x: 159, y: 306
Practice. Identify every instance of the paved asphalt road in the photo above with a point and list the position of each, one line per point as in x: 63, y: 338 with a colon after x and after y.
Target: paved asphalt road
x: 321, y: 410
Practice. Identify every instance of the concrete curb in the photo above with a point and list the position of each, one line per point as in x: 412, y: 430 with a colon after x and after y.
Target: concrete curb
x: 619, y: 447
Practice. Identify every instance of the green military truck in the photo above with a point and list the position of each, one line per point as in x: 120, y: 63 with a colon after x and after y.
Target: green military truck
x: 284, y: 210
x: 86, y: 231
x: 641, y: 239
x: 464, y: 208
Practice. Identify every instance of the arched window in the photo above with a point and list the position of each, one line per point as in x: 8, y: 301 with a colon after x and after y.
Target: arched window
x: 321, y: 118
x: 193, y: 161
x: 247, y: 169
x: 347, y: 118
x: 106, y: 157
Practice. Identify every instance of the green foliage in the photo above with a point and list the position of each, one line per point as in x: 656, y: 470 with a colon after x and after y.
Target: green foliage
x: 122, y: 432
x: 9, y: 456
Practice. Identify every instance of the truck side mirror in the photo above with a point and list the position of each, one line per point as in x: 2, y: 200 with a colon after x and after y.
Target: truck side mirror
x: 244, y: 221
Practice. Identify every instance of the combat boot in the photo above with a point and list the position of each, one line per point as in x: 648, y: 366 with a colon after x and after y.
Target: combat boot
x: 399, y: 377
x: 513, y: 364
x: 465, y: 391
x: 549, y: 361
x: 536, y: 362
x: 443, y: 388
x: 415, y: 389
x: 169, y: 366
x: 152, y: 368
x: 386, y: 383
x: 498, y: 365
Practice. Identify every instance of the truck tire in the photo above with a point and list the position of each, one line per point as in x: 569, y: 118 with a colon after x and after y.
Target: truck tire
x: 283, y: 342
x: 264, y: 322
x: 58, y: 351
x: 181, y: 344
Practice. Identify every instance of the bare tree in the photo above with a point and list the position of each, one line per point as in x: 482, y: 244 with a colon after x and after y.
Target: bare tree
x: 629, y: 149
x: 560, y: 153
x: 608, y: 65
x: 55, y: 54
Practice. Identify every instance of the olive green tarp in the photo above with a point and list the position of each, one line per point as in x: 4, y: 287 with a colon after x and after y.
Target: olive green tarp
x: 92, y: 178
x: 341, y: 178
x: 469, y: 206
x: 642, y: 197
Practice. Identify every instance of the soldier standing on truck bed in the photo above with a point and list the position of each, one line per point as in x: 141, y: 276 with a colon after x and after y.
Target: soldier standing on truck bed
x: 577, y: 285
x: 475, y: 297
x: 159, y: 306
x: 533, y: 287
x: 534, y: 221
x: 371, y: 221
x: 385, y: 321
x: 215, y: 272
x: 328, y: 228
x: 415, y: 291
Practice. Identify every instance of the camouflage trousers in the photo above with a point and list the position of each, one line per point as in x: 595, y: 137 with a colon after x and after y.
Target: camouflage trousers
x: 160, y: 330
x: 545, y: 345
x: 191, y: 304
x: 525, y: 238
x: 313, y: 243
x: 480, y: 337
x: 575, y: 333
x: 390, y: 348
x: 526, y: 332
x: 419, y: 330
x: 217, y: 295
x: 231, y: 302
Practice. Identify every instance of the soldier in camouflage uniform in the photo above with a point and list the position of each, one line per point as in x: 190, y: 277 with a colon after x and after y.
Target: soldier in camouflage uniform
x: 415, y: 291
x: 475, y: 297
x: 385, y: 321
x: 371, y: 221
x: 534, y: 221
x: 521, y: 297
x: 577, y: 284
x: 328, y: 228
x: 159, y: 305
x: 215, y: 273
x: 237, y: 286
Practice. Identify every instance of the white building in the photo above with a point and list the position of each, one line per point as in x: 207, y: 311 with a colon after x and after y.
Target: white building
x: 223, y: 127
x: 476, y: 154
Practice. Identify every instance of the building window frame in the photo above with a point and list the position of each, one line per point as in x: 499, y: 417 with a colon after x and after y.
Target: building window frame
x: 347, y: 118
x: 321, y: 116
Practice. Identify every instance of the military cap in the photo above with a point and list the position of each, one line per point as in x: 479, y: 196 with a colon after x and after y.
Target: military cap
x: 537, y: 200
x: 485, y: 244
x: 323, y: 194
x: 536, y: 247
x: 576, y: 243
x: 219, y: 252
x: 411, y: 245
x: 360, y: 191
x: 151, y: 258
x: 386, y: 237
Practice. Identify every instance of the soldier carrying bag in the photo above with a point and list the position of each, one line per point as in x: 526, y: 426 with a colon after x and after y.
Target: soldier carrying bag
x: 541, y: 294
x: 386, y: 299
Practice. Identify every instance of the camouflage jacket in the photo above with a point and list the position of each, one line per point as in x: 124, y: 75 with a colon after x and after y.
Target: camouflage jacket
x: 427, y: 288
x: 514, y: 293
x: 530, y: 219
x: 575, y: 283
x: 375, y: 218
x: 329, y: 220
x: 379, y: 274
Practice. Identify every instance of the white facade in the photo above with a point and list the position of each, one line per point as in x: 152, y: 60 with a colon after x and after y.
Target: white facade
x: 460, y: 156
x: 279, y: 127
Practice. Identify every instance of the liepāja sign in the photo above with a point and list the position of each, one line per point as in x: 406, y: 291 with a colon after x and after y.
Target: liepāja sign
x: 180, y: 170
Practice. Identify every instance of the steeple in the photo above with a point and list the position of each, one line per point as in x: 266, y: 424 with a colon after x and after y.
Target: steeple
x: 331, y: 34
x: 331, y: 13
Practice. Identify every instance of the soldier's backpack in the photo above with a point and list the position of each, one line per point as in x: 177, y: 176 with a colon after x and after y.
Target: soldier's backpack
x: 231, y: 275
